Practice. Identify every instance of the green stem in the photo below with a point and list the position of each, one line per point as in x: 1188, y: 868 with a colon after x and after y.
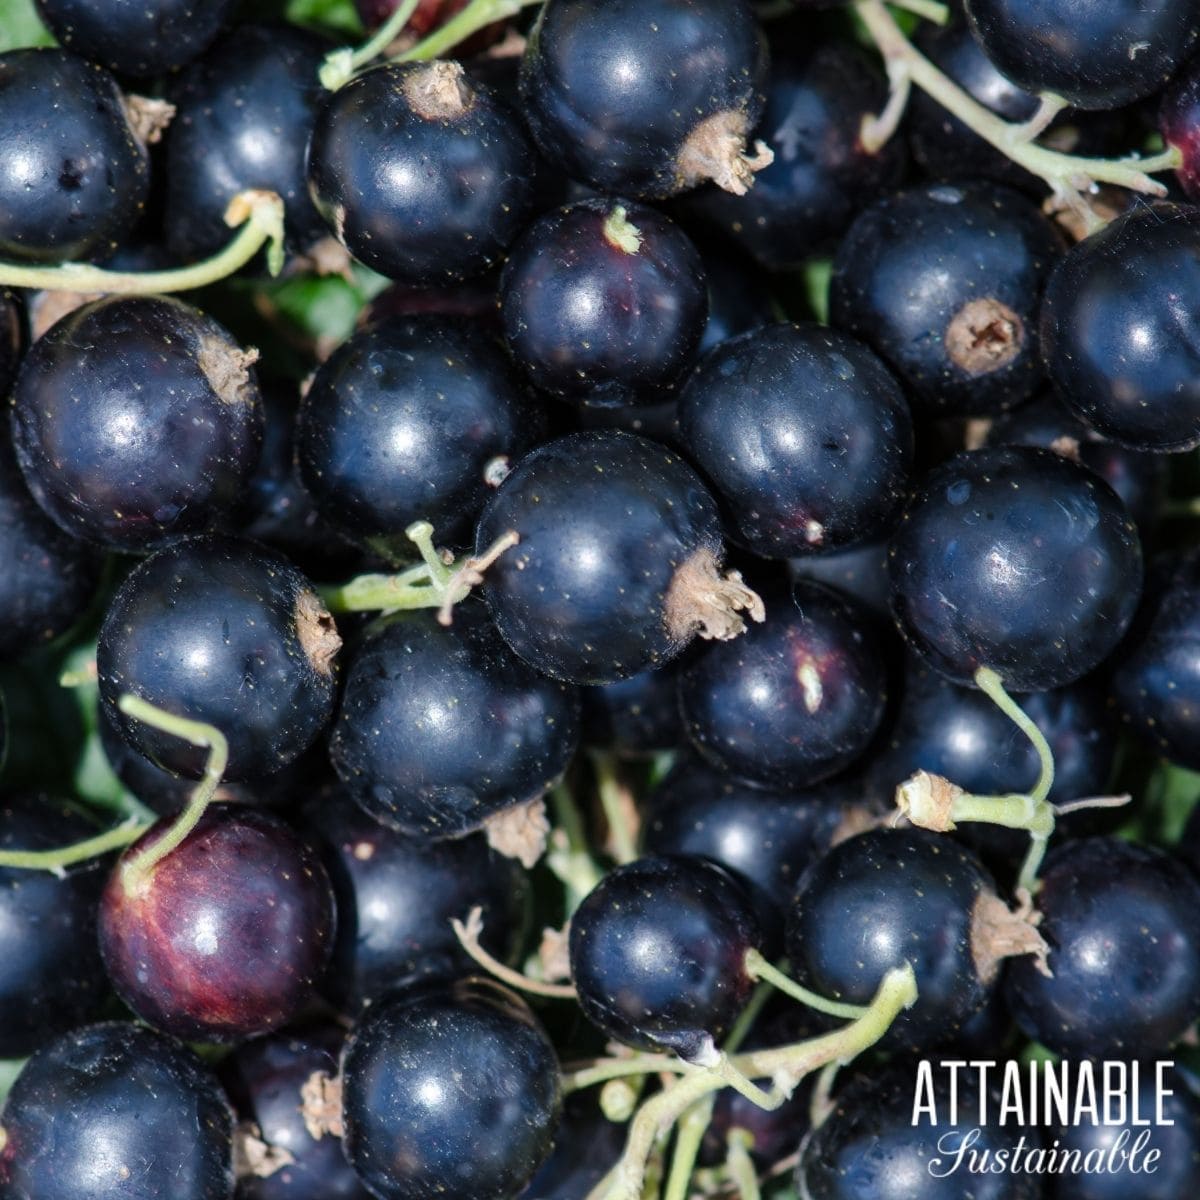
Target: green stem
x: 572, y: 864
x: 760, y: 968
x: 740, y: 1166
x: 10, y: 1068
x: 136, y: 870
x: 1065, y: 174
x: 477, y: 15
x: 747, y: 1017
x: 64, y: 856
x: 612, y: 801
x: 617, y: 1068
x: 340, y: 66
x: 929, y: 10
x: 992, y: 686
x: 260, y: 215
x: 687, y: 1147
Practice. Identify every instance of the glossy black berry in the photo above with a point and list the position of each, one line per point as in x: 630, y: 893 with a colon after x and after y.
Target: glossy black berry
x: 763, y: 837
x: 1116, y: 332
x: 970, y: 261
x: 1156, y: 683
x: 137, y: 420
x: 264, y: 1079
x: 116, y: 1110
x: 645, y: 97
x: 1094, y: 54
x: 421, y: 174
x: 618, y: 562
x: 1019, y: 560
x: 805, y: 436
x: 586, y: 1147
x: 860, y: 571
x: 739, y: 296
x: 48, y: 578
x: 229, y: 934
x: 1123, y: 925
x: 243, y: 116
x: 792, y: 701
x: 396, y: 896
x: 604, y: 302
x: 658, y: 953
x: 413, y: 418
x: 221, y: 631
x: 51, y: 977
x: 442, y: 727
x: 141, y: 38
x: 871, y: 1148
x: 449, y: 1091
x: 1138, y: 477
x: 884, y: 898
x: 818, y: 98
x: 635, y: 717
x: 73, y: 177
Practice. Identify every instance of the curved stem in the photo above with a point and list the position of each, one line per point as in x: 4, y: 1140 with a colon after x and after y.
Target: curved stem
x: 136, y: 870
x: 687, y: 1147
x: 572, y: 862
x: 617, y: 1068
x: 992, y: 686
x: 877, y: 130
x: 758, y: 967
x: 477, y: 15
x: 468, y: 938
x: 1066, y: 174
x: 260, y: 215
x: 64, y: 856
x: 340, y: 66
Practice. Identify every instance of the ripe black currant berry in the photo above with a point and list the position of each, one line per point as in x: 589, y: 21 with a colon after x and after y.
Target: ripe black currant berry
x: 243, y: 116
x: 1156, y: 681
x: 739, y: 295
x: 618, y: 564
x: 73, y: 177
x: 1179, y: 123
x: 449, y: 1090
x: 795, y: 700
x: 604, y: 302
x: 658, y: 952
x: 396, y: 896
x: 137, y: 420
x: 887, y: 897
x: 228, y: 935
x: 1138, y: 477
x: 1016, y: 559
x: 971, y: 260
x: 421, y: 174
x: 646, y: 98
x: 51, y: 977
x: 1094, y: 54
x: 805, y: 436
x: 225, y: 632
x: 636, y: 717
x: 442, y: 727
x: 412, y: 418
x: 48, y: 578
x: 871, y: 1147
x: 586, y: 1147
x: 264, y: 1079
x: 119, y: 1110
x: 1123, y: 925
x: 819, y: 96
x: 142, y: 38
x: 1116, y: 334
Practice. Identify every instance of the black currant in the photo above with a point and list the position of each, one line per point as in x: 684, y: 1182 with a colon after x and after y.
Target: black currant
x: 586, y: 1147
x: 860, y: 571
x: 137, y: 420
x: 413, y: 418
x: 1016, y: 559
x: 73, y: 177
x: 228, y: 633
x: 449, y: 1090
x: 646, y: 97
x: 421, y: 174
x: 635, y: 717
x: 970, y: 261
x: 658, y: 952
x: 617, y: 568
x: 1179, y: 123
x: 805, y: 436
x: 604, y: 302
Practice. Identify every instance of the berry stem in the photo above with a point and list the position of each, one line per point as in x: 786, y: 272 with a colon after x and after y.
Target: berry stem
x: 691, y: 1132
x: 339, y: 67
x: 929, y: 10
x: 64, y: 856
x: 992, y: 686
x: 758, y: 967
x: 568, y: 856
x: 468, y: 938
x: 740, y: 1166
x: 136, y: 871
x: 618, y: 808
x: 260, y: 215
x: 604, y: 1069
x: 1067, y: 176
x: 474, y: 17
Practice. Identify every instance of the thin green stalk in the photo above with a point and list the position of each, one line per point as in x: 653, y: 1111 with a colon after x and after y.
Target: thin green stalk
x: 740, y: 1166
x: 992, y: 686
x: 64, y: 856
x: 477, y: 15
x: 571, y: 863
x: 928, y: 10
x: 759, y: 967
x: 688, y: 1137
x: 613, y: 802
x: 260, y: 215
x: 618, y: 1068
x: 339, y: 66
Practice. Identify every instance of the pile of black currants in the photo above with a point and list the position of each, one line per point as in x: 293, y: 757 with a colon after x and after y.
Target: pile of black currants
x: 642, y: 613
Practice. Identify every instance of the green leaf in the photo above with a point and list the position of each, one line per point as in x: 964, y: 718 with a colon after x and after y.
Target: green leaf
x: 21, y: 26
x: 338, y: 15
